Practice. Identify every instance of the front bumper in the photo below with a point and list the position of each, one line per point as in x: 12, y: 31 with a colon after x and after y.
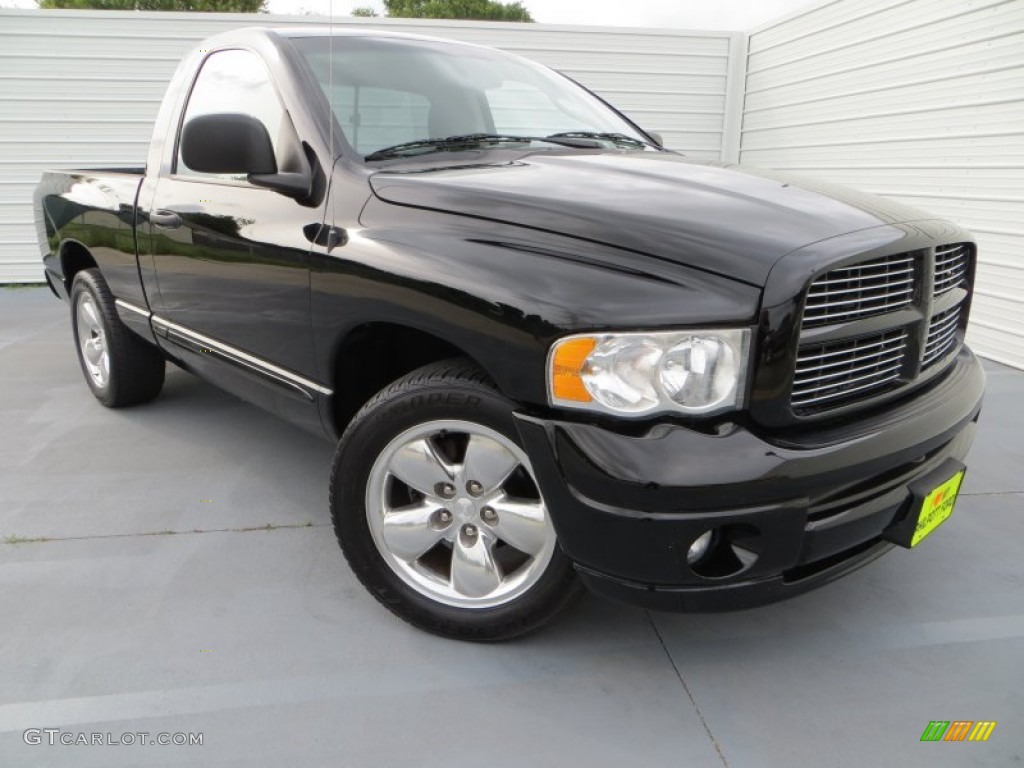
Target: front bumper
x: 801, y: 510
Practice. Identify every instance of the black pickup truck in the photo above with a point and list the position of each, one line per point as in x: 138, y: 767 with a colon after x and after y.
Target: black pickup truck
x: 552, y: 353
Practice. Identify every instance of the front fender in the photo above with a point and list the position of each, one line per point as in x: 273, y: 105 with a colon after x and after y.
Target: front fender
x: 503, y: 293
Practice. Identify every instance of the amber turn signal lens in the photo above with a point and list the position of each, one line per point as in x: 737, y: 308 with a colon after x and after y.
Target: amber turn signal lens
x: 567, y: 367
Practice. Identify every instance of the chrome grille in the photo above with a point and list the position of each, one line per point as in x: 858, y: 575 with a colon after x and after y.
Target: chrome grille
x: 869, y: 288
x: 852, y: 360
x: 950, y: 267
x: 827, y: 374
x: 941, y: 335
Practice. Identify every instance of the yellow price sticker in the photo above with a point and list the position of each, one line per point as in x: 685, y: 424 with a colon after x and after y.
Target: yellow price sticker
x: 937, y: 507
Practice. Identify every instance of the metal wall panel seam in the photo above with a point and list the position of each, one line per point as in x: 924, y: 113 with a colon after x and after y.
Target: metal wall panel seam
x: 889, y: 113
x: 883, y: 62
x: 735, y: 93
x: 837, y: 25
x: 890, y: 87
x: 915, y: 26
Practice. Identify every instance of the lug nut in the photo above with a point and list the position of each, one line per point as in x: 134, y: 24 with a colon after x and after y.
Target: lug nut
x: 445, y: 490
x: 444, y: 516
x: 488, y: 515
x: 469, y: 530
x: 474, y: 487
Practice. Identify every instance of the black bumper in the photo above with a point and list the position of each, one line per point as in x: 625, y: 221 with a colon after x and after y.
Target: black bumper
x: 800, y: 510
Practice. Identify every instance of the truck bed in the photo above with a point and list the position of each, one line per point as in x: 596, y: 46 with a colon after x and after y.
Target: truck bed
x: 89, y: 211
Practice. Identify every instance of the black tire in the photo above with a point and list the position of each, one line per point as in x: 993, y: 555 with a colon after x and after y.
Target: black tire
x: 136, y: 367
x: 450, y: 390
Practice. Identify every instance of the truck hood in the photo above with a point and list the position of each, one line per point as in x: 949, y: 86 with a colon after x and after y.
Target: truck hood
x: 729, y: 220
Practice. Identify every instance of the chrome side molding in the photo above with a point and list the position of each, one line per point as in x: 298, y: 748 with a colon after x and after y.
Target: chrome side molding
x: 128, y: 306
x: 197, y: 342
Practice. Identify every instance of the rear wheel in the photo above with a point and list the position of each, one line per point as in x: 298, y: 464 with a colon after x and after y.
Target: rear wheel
x: 438, y: 512
x: 119, y: 367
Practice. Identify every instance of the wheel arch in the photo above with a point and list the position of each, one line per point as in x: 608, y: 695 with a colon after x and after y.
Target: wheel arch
x: 74, y: 257
x: 374, y: 354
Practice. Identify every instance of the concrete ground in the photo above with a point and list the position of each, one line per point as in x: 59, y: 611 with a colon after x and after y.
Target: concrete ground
x: 171, y: 569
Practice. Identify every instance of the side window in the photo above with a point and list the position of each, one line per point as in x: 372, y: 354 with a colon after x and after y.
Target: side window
x: 235, y: 82
x: 373, y: 118
x: 521, y: 108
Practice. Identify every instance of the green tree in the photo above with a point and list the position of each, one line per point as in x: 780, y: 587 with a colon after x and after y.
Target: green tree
x: 364, y: 11
x: 479, y: 10
x: 215, y: 6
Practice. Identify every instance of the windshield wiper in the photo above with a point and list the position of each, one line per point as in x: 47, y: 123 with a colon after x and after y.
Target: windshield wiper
x: 617, y: 138
x: 450, y: 143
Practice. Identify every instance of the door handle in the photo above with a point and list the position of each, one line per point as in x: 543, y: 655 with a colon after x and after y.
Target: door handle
x: 165, y: 219
x: 324, y: 235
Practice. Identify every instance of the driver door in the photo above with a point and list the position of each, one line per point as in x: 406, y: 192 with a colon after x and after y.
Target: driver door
x: 231, y: 259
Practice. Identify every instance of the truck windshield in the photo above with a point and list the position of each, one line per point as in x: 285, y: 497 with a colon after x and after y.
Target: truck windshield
x: 390, y: 92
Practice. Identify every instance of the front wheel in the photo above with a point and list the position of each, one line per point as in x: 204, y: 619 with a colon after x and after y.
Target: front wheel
x: 438, y: 512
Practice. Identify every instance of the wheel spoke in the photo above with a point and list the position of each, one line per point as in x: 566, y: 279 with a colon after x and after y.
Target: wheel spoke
x: 418, y: 465
x: 92, y: 318
x: 104, y: 366
x: 488, y: 462
x: 474, y: 572
x: 521, y: 524
x: 93, y: 351
x: 408, y: 532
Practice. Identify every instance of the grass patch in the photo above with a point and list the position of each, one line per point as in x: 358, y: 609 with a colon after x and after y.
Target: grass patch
x: 15, y: 539
x: 21, y: 286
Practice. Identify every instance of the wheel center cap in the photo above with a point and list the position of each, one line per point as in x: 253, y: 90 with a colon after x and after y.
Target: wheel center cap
x: 464, y: 509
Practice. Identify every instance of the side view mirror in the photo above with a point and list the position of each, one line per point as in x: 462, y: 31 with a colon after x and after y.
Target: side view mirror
x: 239, y: 145
x: 228, y: 143
x: 656, y: 138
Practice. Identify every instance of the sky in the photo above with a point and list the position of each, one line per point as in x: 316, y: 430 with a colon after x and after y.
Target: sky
x: 680, y: 14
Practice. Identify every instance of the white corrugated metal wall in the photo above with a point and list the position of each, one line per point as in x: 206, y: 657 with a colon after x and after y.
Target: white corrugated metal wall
x: 917, y: 99
x: 920, y: 100
x: 80, y: 89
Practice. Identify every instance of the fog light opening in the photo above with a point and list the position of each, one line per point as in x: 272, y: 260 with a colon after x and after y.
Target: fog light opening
x: 699, y: 547
x: 726, y: 552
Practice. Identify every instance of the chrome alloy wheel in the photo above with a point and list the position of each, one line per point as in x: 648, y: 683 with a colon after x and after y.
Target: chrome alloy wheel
x: 455, y: 511
x: 92, y: 339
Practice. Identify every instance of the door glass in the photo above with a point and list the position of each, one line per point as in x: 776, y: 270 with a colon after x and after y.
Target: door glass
x: 233, y: 82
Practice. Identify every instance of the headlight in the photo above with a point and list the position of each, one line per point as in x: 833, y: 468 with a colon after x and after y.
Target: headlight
x: 636, y: 374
